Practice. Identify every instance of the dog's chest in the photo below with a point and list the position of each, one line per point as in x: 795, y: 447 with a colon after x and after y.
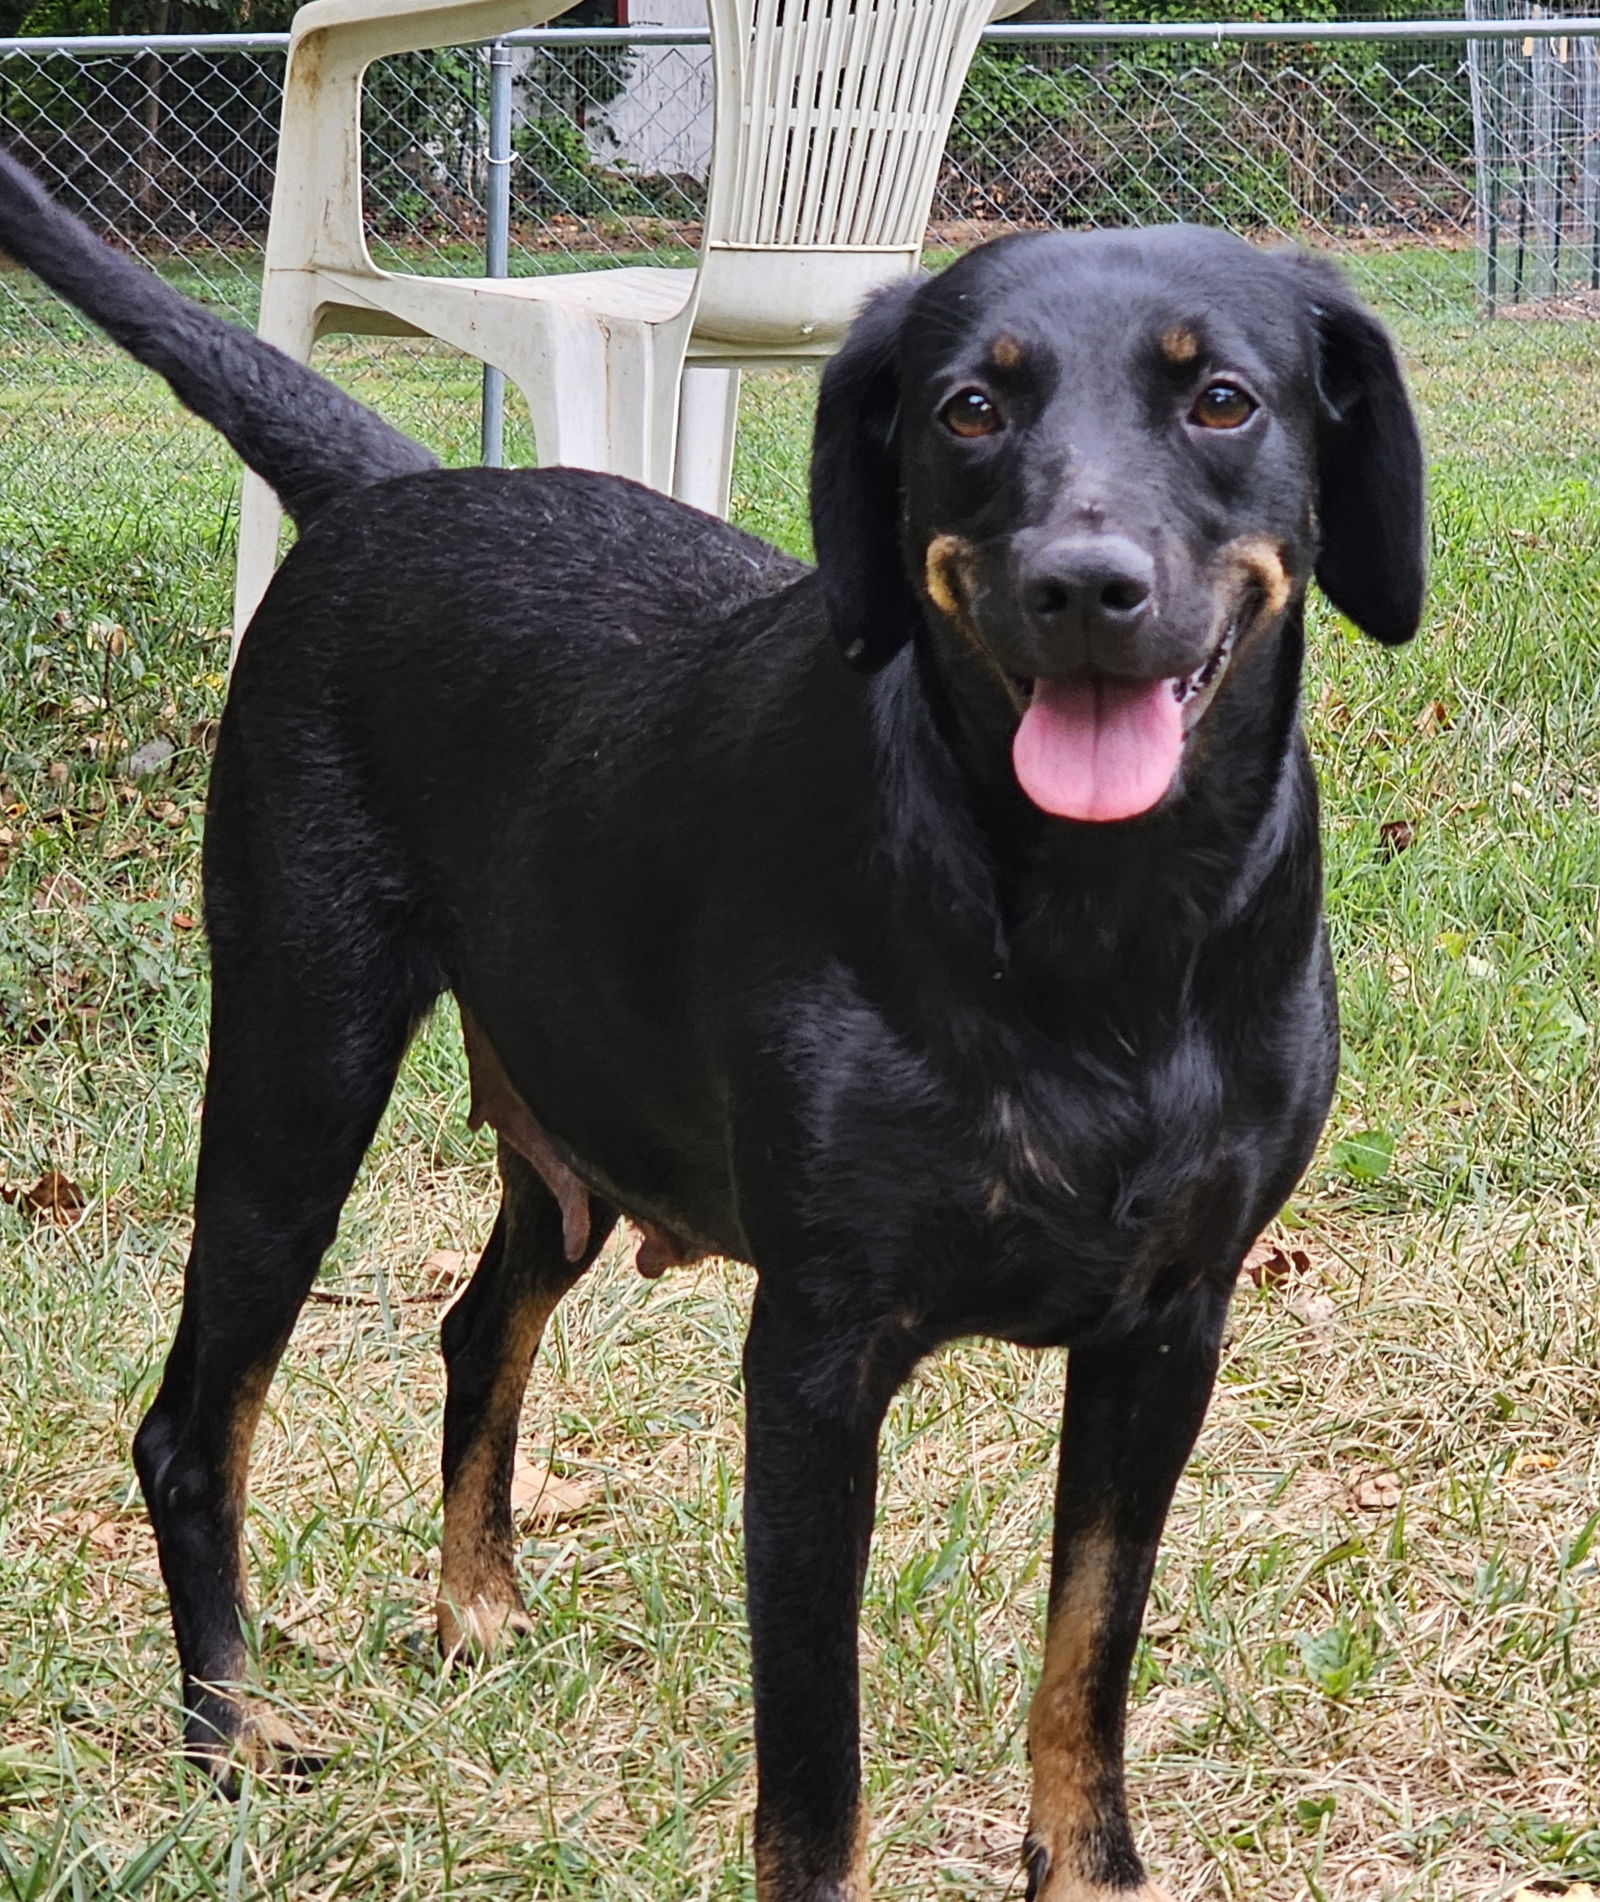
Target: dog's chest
x: 1076, y: 1193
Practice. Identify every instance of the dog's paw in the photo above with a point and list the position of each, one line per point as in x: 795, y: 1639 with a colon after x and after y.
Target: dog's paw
x: 238, y: 1738
x: 1052, y: 1882
x: 483, y: 1627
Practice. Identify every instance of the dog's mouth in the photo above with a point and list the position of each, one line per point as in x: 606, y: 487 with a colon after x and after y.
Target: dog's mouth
x: 1099, y: 748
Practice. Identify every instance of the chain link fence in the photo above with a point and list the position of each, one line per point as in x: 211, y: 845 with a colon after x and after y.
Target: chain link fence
x: 1453, y: 165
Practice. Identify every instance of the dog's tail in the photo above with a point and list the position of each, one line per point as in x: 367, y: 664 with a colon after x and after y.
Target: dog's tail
x: 308, y: 439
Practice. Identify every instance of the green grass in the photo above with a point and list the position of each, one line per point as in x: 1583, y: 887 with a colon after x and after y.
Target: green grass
x: 1348, y: 1690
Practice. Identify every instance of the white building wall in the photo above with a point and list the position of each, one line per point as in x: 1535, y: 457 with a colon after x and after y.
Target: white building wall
x: 661, y: 121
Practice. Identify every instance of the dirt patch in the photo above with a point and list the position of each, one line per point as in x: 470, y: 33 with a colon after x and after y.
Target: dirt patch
x: 1569, y: 308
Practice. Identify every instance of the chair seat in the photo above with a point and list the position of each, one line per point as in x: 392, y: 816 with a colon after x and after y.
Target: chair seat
x: 642, y: 293
x: 631, y: 294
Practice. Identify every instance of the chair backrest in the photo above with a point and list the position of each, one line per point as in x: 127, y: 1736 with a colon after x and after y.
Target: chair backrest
x: 316, y: 197
x: 831, y: 119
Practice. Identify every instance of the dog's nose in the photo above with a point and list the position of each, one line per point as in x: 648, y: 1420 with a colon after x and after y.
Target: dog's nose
x: 1089, y: 585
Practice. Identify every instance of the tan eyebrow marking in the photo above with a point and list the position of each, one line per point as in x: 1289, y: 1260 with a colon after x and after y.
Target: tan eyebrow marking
x: 1005, y: 353
x: 1180, y: 344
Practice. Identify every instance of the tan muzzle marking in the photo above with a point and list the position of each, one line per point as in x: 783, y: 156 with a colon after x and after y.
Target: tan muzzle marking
x: 947, y: 577
x: 1255, y: 562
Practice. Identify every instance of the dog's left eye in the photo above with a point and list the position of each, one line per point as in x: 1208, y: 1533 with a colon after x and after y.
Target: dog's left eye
x: 971, y: 413
x: 1223, y: 406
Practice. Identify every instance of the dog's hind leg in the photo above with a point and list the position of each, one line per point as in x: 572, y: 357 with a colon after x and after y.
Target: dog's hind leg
x: 489, y: 1339
x: 1133, y: 1409
x: 316, y: 988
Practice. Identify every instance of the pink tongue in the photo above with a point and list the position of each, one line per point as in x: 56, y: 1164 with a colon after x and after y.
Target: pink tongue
x: 1098, y: 749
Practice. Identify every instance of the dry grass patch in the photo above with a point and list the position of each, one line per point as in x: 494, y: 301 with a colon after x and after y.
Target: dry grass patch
x: 1370, y: 1672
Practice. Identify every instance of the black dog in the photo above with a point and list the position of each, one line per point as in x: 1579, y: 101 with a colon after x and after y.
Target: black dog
x: 938, y: 931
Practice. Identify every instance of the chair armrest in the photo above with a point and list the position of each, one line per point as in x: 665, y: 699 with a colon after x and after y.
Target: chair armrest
x: 356, y: 32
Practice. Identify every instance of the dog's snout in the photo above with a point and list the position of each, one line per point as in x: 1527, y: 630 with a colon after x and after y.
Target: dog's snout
x: 1090, y: 584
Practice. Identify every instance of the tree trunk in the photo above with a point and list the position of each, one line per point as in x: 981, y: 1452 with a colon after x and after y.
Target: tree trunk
x: 150, y: 147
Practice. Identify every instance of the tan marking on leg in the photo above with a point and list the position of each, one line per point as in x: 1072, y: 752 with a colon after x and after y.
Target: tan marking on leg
x: 249, y: 1399
x: 1180, y: 344
x: 495, y: 1101
x: 1055, y: 1887
x: 1065, y: 1766
x: 244, y: 1417
x: 1069, y: 1774
x: 261, y: 1743
x: 1005, y: 353
x: 779, y: 1879
x: 479, y: 1604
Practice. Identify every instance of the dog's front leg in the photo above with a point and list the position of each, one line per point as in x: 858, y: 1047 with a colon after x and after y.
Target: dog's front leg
x: 815, y: 1394
x: 1132, y: 1413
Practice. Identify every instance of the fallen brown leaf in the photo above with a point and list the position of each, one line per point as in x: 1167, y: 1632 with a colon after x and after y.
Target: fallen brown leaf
x: 538, y: 1494
x: 60, y: 888
x: 54, y: 1195
x: 442, y: 1273
x: 1377, y: 1492
x: 97, y: 1530
x: 1269, y: 1264
x: 1434, y: 718
x: 1394, y: 837
x: 1332, y: 711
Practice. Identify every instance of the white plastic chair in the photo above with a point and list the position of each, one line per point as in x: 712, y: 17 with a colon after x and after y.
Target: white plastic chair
x: 830, y: 121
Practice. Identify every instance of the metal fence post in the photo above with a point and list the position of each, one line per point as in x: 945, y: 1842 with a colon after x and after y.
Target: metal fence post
x: 497, y: 240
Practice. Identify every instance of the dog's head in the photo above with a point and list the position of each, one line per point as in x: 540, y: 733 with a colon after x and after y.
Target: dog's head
x: 1107, y: 463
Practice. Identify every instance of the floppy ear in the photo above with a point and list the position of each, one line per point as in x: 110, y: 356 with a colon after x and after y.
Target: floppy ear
x: 1369, y: 470
x: 855, y: 487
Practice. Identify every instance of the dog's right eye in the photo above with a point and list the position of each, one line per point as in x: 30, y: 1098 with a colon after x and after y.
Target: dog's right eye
x: 1223, y: 406
x: 970, y: 413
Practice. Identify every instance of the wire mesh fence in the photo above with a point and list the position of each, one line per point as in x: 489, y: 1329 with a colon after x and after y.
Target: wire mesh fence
x: 1454, y: 165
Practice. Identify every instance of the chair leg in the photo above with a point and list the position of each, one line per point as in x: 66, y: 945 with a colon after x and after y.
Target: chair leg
x: 633, y: 403
x: 708, y: 418
x: 260, y: 518
x: 289, y: 320
x: 601, y: 396
x: 561, y: 372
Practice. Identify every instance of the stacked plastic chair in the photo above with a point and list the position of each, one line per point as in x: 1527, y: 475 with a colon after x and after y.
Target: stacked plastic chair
x: 830, y: 121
